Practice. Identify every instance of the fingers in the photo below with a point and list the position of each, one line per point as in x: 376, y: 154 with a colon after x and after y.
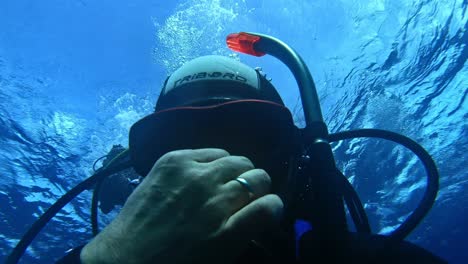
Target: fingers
x: 237, y: 195
x: 247, y: 224
x: 230, y: 167
x: 260, y: 215
x: 199, y: 155
x: 208, y: 154
x: 220, y: 164
x: 183, y: 155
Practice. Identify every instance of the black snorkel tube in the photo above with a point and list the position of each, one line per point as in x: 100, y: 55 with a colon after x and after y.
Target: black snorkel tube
x: 320, y: 186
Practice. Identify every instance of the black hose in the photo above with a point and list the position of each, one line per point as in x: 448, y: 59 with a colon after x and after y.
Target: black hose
x: 18, y: 251
x: 431, y: 169
x: 95, y: 200
x: 94, y: 164
x: 356, y: 210
x: 97, y: 190
x: 94, y: 206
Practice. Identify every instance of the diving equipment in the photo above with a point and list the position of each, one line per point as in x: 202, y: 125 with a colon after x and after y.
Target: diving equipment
x: 316, y: 193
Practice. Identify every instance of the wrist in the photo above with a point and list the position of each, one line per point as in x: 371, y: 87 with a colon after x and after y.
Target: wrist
x: 102, y: 249
x: 94, y: 253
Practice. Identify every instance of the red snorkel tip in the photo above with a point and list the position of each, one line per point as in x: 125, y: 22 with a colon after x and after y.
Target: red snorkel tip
x: 244, y: 43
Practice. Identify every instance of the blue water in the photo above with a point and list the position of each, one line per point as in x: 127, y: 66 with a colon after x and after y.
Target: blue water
x: 75, y: 75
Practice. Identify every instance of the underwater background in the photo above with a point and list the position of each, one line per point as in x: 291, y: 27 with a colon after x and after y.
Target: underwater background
x: 76, y: 74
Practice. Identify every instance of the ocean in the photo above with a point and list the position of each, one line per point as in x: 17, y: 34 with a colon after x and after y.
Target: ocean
x: 76, y: 74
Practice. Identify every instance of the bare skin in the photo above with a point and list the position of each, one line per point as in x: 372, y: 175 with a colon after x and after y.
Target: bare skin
x: 189, y: 209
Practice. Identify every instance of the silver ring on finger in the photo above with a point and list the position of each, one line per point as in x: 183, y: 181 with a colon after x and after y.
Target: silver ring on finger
x: 246, y: 185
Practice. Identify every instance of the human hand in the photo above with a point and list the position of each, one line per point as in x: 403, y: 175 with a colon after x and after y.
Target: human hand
x: 189, y: 209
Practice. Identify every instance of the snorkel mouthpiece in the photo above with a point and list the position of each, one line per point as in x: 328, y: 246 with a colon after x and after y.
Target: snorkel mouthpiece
x: 245, y: 43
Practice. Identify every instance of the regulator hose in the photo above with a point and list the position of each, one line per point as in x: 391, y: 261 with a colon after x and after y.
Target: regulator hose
x: 32, y: 232
x: 431, y: 169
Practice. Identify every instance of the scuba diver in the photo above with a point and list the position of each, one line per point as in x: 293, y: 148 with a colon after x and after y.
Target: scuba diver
x: 229, y: 178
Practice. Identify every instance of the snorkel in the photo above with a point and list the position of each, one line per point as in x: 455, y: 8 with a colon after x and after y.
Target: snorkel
x: 315, y: 190
x: 319, y: 188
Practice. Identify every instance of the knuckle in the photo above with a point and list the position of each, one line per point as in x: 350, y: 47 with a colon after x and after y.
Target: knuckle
x: 200, y: 180
x: 219, y: 150
x: 196, y: 184
x: 245, y: 161
x: 237, y: 161
x: 196, y: 171
x: 172, y: 156
x: 263, y: 176
x: 232, y: 165
x: 211, y: 169
x: 271, y: 207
